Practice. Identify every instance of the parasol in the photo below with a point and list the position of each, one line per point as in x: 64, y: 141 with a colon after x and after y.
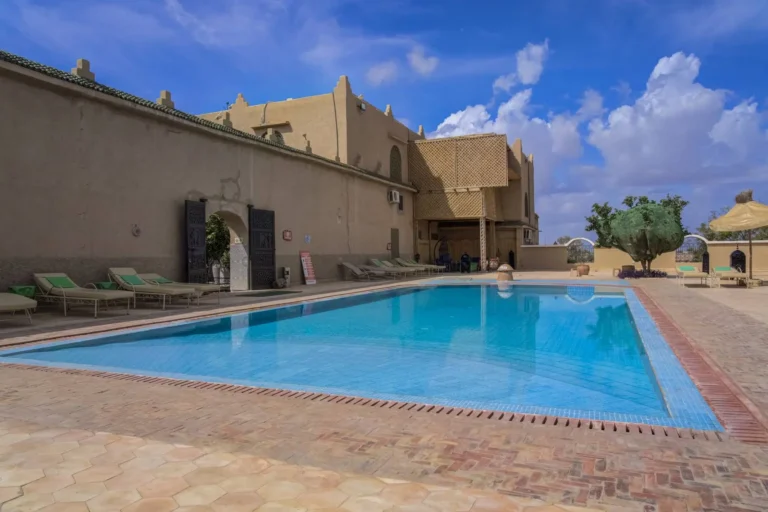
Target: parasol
x: 745, y: 216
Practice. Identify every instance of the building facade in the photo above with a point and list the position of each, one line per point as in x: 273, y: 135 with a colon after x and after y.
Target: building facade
x: 98, y: 178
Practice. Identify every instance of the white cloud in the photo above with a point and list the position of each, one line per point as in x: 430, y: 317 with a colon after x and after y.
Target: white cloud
x: 719, y: 19
x: 530, y: 62
x: 382, y: 73
x: 591, y: 104
x: 420, y: 63
x: 530, y: 65
x: 505, y: 83
x: 679, y: 131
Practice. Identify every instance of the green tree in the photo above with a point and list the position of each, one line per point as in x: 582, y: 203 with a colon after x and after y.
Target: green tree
x: 562, y: 240
x: 216, y: 240
x: 603, y: 214
x: 645, y: 231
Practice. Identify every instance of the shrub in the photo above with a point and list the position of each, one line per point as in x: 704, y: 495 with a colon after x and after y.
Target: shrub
x: 637, y: 274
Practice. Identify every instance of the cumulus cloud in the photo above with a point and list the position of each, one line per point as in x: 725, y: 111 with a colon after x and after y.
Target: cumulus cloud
x: 530, y: 62
x: 382, y: 73
x: 679, y: 130
x: 676, y: 134
x: 505, y: 83
x: 420, y: 62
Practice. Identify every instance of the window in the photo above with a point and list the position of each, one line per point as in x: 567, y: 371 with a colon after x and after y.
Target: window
x: 527, y: 206
x: 395, y: 164
x: 400, y: 204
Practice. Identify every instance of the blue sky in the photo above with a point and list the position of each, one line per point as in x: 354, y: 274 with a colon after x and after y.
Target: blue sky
x: 613, y: 97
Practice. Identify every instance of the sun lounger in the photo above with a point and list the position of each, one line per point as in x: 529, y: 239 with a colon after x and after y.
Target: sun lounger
x: 410, y: 264
x: 58, y: 287
x: 128, y: 279
x: 11, y: 303
x: 397, y: 264
x: 203, y: 289
x: 437, y: 268
x: 728, y: 273
x: 362, y: 274
x: 393, y: 272
x: 392, y: 268
x: 684, y: 271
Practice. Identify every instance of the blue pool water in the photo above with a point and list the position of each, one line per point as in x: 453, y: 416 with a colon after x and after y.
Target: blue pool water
x: 529, y: 348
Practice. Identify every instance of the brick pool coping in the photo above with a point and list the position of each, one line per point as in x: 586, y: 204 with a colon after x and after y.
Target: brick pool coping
x: 739, y: 416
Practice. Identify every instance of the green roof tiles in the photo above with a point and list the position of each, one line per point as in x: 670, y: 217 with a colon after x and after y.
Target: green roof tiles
x: 95, y: 86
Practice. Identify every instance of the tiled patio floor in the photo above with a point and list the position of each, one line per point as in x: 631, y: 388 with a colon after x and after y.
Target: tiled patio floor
x: 553, y: 464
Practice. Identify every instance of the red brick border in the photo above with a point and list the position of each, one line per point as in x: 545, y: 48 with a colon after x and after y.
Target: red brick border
x: 740, y: 417
x: 411, y: 407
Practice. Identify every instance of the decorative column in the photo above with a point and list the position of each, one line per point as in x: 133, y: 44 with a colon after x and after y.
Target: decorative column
x: 483, y: 249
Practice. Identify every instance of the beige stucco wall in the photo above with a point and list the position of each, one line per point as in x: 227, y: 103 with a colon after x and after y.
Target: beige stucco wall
x: 314, y: 116
x: 720, y: 253
x: 79, y: 169
x: 611, y: 258
x: 543, y: 257
x: 334, y: 125
x: 511, y: 200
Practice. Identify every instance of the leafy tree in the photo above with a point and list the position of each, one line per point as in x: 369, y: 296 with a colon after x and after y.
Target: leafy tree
x: 216, y: 240
x: 562, y: 240
x: 645, y: 231
x: 603, y: 214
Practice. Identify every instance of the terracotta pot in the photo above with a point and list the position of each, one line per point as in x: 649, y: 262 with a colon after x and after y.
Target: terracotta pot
x: 582, y: 270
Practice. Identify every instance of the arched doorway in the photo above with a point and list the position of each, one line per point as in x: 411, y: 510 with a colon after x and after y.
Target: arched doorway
x: 693, y: 250
x: 581, y: 250
x: 739, y: 260
x: 227, y: 249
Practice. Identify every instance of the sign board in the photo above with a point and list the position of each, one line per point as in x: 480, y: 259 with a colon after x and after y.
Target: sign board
x: 306, y: 266
x: 307, y: 239
x: 287, y: 235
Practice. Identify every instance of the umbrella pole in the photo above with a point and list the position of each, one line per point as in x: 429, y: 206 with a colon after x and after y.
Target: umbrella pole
x: 749, y: 234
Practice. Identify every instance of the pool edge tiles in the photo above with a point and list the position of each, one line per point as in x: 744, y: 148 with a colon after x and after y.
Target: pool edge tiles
x: 689, y: 411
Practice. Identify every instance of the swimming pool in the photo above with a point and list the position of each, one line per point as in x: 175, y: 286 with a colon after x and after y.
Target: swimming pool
x: 575, y: 351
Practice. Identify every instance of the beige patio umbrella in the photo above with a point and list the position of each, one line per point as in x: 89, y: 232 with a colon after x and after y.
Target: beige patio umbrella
x: 745, y: 216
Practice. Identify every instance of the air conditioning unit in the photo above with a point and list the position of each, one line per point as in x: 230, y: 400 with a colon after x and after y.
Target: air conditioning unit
x: 393, y: 196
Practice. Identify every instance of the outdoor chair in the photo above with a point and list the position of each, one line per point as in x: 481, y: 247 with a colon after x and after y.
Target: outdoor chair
x: 11, y: 303
x: 58, y: 287
x: 201, y: 288
x: 389, y: 265
x: 361, y: 274
x: 684, y: 271
x: 380, y: 267
x: 410, y: 263
x: 128, y: 279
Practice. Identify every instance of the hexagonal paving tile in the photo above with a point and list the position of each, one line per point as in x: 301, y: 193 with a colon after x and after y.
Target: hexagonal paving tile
x: 11, y: 477
x: 143, y: 462
x: 86, y: 452
x: 331, y: 498
x: 74, y: 435
x: 113, y: 500
x: 238, y: 502
x: 9, y: 493
x: 453, y: 501
x: 100, y: 438
x: 183, y: 454
x: 49, y: 484
x: 215, y: 460
x: 205, y: 476
x: 153, y: 505
x: 279, y: 507
x: 172, y: 469
x: 40, y: 461
x: 285, y: 490
x: 49, y: 432
x: 129, y: 480
x: 361, y: 486
x: 319, y: 479
x: 79, y: 492
x: 66, y: 507
x: 58, y: 447
x: 366, y: 504
x: 245, y: 483
x: 97, y: 474
x: 199, y: 495
x: 12, y: 438
x: 248, y: 465
x: 68, y: 467
x: 28, y: 503
x: 404, y: 494
x: 163, y: 487
x: 153, y: 449
x: 114, y: 457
